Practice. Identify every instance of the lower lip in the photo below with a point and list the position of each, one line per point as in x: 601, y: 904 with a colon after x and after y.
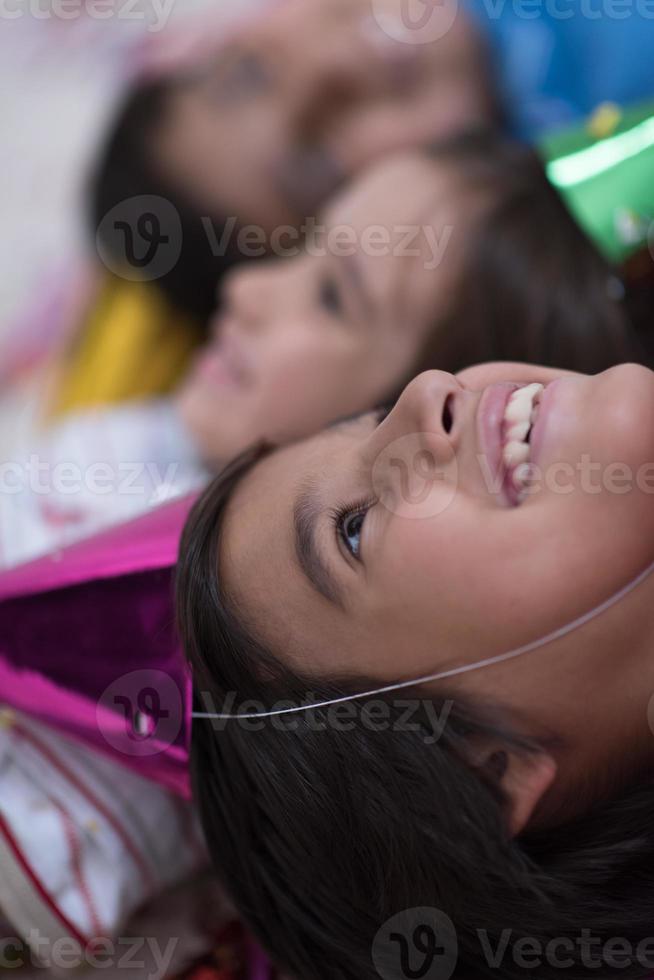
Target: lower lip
x: 213, y: 367
x: 539, y: 430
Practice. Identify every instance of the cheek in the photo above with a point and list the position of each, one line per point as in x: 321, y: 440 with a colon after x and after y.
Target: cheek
x: 438, y: 571
x: 295, y: 399
x: 197, y: 404
x: 212, y: 421
x: 300, y: 362
x: 318, y: 371
x: 468, y: 584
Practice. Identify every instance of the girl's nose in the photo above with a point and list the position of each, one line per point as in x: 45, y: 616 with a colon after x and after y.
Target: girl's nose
x: 248, y: 293
x: 430, y: 404
x: 327, y: 81
x: 413, y: 454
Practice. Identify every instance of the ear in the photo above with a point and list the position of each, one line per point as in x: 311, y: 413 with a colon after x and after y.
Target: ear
x: 524, y: 777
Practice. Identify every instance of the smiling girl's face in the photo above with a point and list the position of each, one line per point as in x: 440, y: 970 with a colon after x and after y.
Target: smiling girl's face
x: 394, y: 547
x: 336, y: 328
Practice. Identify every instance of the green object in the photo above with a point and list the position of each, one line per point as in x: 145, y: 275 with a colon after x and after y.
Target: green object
x: 608, y: 183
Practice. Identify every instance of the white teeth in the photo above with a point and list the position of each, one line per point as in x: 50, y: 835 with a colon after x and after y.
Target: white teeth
x: 520, y: 415
x: 522, y: 402
x: 518, y: 432
x: 516, y: 408
x: 515, y: 453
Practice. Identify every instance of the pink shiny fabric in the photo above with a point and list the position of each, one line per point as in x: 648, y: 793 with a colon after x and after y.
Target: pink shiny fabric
x: 87, y: 644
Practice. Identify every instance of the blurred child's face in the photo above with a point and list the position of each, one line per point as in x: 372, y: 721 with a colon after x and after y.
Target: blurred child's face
x: 308, y: 94
x: 394, y: 548
x: 338, y: 328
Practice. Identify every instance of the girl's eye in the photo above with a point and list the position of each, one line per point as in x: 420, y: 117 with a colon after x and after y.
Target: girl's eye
x: 349, y: 528
x: 247, y: 75
x: 330, y: 297
x: 240, y: 75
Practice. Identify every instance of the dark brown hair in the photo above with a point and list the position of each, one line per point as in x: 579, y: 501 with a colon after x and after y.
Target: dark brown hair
x: 125, y: 173
x: 323, y: 833
x: 533, y: 288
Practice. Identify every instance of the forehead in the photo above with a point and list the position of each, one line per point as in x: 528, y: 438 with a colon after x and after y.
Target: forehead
x: 397, y: 188
x: 257, y: 513
x: 258, y: 545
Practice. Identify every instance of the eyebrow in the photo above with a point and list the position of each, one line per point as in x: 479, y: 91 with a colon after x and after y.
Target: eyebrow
x: 306, y: 511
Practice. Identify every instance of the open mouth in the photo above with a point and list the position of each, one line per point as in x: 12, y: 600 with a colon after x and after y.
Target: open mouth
x: 517, y: 424
x: 224, y: 363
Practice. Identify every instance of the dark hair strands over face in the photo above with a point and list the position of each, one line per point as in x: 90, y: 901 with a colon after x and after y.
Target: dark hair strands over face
x: 126, y: 169
x: 534, y: 288
x: 322, y: 836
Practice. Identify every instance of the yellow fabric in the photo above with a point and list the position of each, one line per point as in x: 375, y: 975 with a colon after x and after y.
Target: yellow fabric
x: 133, y: 345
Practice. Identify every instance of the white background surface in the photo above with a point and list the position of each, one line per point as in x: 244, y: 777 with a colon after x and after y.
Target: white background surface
x: 59, y: 82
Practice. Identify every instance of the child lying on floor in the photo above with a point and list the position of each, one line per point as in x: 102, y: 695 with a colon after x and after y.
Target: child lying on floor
x: 422, y: 643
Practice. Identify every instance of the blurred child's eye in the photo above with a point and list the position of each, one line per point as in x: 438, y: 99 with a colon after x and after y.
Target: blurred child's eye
x: 239, y: 74
x: 248, y: 74
x: 331, y: 299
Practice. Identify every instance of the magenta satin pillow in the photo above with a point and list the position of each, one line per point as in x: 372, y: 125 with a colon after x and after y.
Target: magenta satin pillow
x: 87, y: 644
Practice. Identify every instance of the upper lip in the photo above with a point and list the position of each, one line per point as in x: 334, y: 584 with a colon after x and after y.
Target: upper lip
x: 232, y: 355
x: 490, y: 416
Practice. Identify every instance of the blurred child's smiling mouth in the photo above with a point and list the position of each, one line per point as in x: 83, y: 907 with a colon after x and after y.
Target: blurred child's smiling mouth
x: 226, y: 363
